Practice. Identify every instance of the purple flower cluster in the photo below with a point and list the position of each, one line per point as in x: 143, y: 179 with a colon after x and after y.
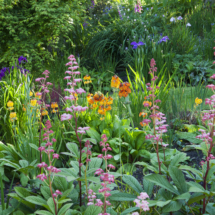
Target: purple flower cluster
x: 21, y: 60
x: 164, y: 39
x: 135, y: 44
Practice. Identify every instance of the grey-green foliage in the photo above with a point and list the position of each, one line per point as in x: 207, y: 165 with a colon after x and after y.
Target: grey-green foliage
x: 28, y: 28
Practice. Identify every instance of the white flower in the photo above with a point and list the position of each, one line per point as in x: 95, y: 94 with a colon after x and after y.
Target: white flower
x: 179, y: 18
x: 188, y: 24
x: 142, y: 23
x: 135, y: 20
x: 128, y: 9
x: 172, y: 19
x: 124, y: 14
x: 145, y: 29
x: 128, y: 17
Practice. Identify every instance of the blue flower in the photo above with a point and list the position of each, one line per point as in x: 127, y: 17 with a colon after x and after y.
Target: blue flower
x: 212, y: 23
x: 135, y: 45
x: 147, y: 8
x: 161, y: 34
x: 155, y: 14
x: 164, y: 39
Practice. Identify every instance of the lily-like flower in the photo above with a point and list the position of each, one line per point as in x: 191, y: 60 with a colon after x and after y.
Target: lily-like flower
x: 135, y: 44
x: 172, y: 19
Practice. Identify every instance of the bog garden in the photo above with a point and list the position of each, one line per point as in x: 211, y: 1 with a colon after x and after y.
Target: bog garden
x: 107, y: 107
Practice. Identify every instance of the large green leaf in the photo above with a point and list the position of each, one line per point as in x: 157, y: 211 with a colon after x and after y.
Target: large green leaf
x: 178, y: 179
x: 195, y: 198
x: 162, y: 182
x: 92, y: 210
x: 148, y: 186
x: 43, y: 212
x: 64, y: 209
x: 22, y: 192
x: 172, y: 206
x: 94, y: 134
x: 95, y: 163
x: 73, y: 148
x: 191, y: 137
x: 46, y: 192
x: 133, y: 183
x: 122, y: 197
x: 51, y: 205
x: 181, y: 157
x: 210, y: 208
x: 129, y: 210
x: 210, y: 172
x: 36, y: 200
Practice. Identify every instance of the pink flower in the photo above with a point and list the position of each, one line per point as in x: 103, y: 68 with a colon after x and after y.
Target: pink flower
x: 42, y: 177
x: 48, y: 83
x: 43, y: 164
x: 135, y: 213
x: 54, y: 140
x: 54, y: 195
x: 80, y: 91
x: 100, y: 156
x: 67, y: 77
x: 58, y: 192
x: 41, y: 148
x: 55, y: 156
x: 111, y: 166
x: 77, y: 80
x: 66, y: 116
x: 70, y: 90
x: 46, y: 72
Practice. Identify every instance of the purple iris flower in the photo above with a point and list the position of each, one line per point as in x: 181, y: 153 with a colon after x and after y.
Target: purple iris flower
x: 135, y: 45
x: 164, y: 39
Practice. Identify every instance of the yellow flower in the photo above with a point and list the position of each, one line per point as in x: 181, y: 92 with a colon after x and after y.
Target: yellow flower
x: 13, y: 116
x: 54, y: 111
x: 87, y: 77
x: 198, y: 101
x: 33, y: 102
x: 31, y: 94
x: 54, y: 105
x: 10, y: 104
x: 44, y: 112
x: 142, y: 114
x: 23, y: 108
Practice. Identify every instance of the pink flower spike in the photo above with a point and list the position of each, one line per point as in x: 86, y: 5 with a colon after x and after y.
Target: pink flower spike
x: 80, y: 91
x: 77, y: 80
x: 54, y: 195
x: 54, y: 140
x: 55, y: 156
x: 49, y: 83
x: 67, y: 77
x: 68, y: 72
x: 46, y: 72
x: 66, y: 116
x: 58, y: 192
x: 41, y: 148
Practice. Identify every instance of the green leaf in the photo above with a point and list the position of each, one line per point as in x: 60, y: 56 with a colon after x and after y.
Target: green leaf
x: 184, y: 196
x: 153, y: 169
x: 122, y: 197
x: 191, y: 137
x: 178, y: 179
x: 148, y: 186
x: 172, y: 206
x: 133, y: 183
x: 23, y: 179
x: 210, y: 208
x: 64, y: 209
x: 196, y: 197
x: 210, y: 172
x: 195, y: 187
x: 181, y: 157
x: 94, y: 134
x: 129, y: 210
x: 51, y: 205
x: 36, y: 200
x: 46, y: 192
x: 23, y: 163
x: 111, y: 211
x: 95, y: 163
x: 33, y: 146
x: 92, y: 210
x: 42, y: 212
x: 193, y: 170
x: 73, y: 148
x: 22, y: 192
x: 162, y: 182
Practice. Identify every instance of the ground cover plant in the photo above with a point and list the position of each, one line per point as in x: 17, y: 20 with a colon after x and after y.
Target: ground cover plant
x: 107, y: 107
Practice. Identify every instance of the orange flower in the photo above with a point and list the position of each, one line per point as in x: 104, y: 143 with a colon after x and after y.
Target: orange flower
x: 98, y: 97
x: 142, y: 124
x: 54, y: 105
x: 142, y: 114
x: 108, y: 108
x: 94, y: 106
x: 87, y: 77
x: 124, y: 89
x: 102, y: 111
x: 90, y: 98
x: 115, y: 81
